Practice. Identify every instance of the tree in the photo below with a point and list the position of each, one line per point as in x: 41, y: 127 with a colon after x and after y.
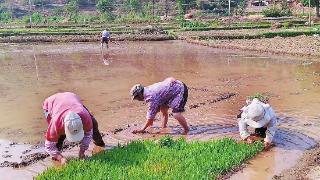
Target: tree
x: 313, y: 3
x: 184, y: 5
x: 133, y: 5
x: 105, y: 6
x: 72, y: 10
x: 180, y: 6
x: 5, y: 17
x: 317, y: 8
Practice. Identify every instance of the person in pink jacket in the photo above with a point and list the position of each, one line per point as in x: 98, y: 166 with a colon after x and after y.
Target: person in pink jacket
x: 69, y: 119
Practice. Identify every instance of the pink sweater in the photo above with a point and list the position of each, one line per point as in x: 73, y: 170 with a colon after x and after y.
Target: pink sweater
x: 57, y: 107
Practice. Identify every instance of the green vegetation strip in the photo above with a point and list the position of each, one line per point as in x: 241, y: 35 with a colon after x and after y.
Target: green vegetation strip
x: 166, y: 159
x: 225, y: 28
x: 258, y: 36
x: 57, y: 32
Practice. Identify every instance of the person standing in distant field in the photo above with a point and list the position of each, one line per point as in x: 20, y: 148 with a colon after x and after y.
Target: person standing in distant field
x: 105, y: 38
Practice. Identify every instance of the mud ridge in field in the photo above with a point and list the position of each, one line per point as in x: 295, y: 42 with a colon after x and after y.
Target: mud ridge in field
x: 221, y: 97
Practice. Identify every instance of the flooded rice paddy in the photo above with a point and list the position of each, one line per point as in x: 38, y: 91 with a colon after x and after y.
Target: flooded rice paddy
x: 219, y: 82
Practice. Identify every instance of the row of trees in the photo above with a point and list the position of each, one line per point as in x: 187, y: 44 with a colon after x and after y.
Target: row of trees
x: 42, y: 11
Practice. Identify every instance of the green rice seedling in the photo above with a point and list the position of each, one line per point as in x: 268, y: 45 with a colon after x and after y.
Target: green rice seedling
x: 261, y: 97
x: 166, y: 141
x: 165, y: 159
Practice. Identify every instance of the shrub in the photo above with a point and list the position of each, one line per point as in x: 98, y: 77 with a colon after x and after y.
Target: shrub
x: 148, y: 160
x: 55, y: 19
x: 36, y: 18
x: 193, y: 24
x: 105, y: 6
x: 166, y: 141
x: 133, y: 5
x: 5, y: 17
x: 286, y: 24
x: 240, y: 8
x: 272, y: 11
x: 276, y: 11
x: 58, y: 12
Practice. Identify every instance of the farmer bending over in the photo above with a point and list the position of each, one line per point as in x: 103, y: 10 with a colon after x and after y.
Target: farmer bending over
x: 105, y: 38
x: 68, y: 118
x: 170, y: 93
x: 261, y: 117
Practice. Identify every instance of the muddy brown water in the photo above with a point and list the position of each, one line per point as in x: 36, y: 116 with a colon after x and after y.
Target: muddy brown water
x: 219, y: 82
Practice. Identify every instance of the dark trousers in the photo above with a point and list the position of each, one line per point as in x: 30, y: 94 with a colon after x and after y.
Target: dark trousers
x: 96, y: 136
x: 261, y: 132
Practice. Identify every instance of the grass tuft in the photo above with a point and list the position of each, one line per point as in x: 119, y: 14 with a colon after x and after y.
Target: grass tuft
x: 166, y: 159
x: 261, y: 97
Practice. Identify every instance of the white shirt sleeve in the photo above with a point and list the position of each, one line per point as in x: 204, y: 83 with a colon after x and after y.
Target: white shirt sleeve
x: 51, y: 149
x: 244, y: 133
x: 272, y: 126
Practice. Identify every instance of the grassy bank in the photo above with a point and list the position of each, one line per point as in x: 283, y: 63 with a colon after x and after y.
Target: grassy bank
x: 160, y: 31
x: 285, y: 33
x: 166, y: 159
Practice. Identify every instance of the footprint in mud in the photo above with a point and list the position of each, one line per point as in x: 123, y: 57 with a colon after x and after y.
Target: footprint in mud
x: 7, y: 156
x: 115, y: 131
x: 26, y: 151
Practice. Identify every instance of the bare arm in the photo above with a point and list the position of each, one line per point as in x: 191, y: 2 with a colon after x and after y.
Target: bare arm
x: 244, y: 133
x: 147, y: 124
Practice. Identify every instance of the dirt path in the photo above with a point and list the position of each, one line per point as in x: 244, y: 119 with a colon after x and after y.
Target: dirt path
x: 308, y: 46
x: 305, y: 46
x: 307, y: 168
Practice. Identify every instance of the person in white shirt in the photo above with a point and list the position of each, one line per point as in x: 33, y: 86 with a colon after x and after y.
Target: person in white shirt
x: 260, y: 116
x: 105, y: 38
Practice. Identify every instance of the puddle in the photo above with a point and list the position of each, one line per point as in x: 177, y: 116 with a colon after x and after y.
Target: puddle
x: 19, y: 155
x: 219, y: 82
x: 289, y: 148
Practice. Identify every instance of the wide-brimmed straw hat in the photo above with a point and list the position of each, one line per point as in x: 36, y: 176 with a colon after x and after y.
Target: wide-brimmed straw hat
x: 136, y: 90
x: 73, y: 127
x: 255, y: 114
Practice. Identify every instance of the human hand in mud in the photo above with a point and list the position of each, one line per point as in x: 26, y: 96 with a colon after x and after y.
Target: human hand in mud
x: 267, y: 145
x: 139, y: 131
x: 81, y: 155
x: 249, y: 140
x: 62, y: 160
